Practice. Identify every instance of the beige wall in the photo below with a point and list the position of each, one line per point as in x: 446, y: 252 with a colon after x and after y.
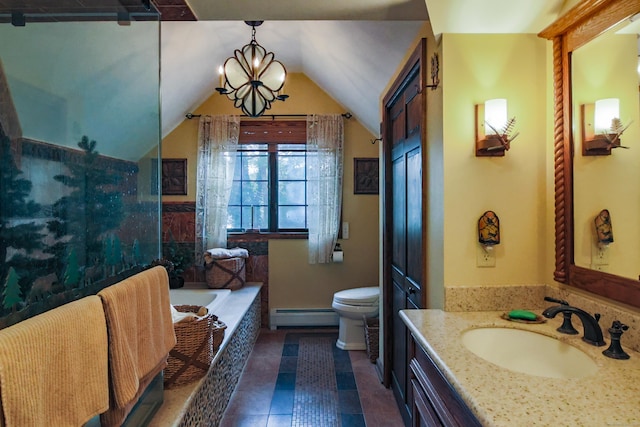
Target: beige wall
x: 477, y: 68
x: 293, y: 283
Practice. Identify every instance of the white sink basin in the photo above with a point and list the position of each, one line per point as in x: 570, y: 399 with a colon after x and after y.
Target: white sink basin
x: 529, y: 352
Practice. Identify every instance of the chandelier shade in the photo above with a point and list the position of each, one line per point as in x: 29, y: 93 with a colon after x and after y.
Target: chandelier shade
x: 252, y: 78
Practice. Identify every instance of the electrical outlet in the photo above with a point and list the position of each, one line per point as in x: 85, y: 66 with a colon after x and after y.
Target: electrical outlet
x: 600, y: 255
x: 485, y: 258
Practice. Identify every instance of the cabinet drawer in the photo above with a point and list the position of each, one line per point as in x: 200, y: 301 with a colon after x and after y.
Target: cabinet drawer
x: 442, y: 397
x: 423, y: 414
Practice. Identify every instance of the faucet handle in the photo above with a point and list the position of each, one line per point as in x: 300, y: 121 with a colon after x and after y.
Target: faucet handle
x: 557, y: 301
x: 619, y: 326
x: 615, y: 350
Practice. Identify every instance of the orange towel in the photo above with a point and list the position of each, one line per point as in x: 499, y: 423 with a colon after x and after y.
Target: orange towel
x: 140, y: 330
x: 53, y: 367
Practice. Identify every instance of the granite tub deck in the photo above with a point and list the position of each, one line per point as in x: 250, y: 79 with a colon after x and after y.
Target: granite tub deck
x: 499, y: 397
x: 202, y: 402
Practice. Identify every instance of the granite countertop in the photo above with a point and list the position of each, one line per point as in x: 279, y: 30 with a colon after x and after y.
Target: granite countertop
x: 499, y: 397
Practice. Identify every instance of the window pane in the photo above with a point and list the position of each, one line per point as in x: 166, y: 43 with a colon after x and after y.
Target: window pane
x: 233, y: 217
x: 254, y: 217
x: 292, y: 147
x: 291, y: 193
x: 291, y: 217
x: 255, y: 167
x: 235, y: 193
x: 237, y: 170
x: 253, y: 147
x: 291, y: 166
x: 255, y: 193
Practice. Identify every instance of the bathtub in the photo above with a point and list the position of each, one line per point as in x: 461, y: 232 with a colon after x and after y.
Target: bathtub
x: 210, y: 298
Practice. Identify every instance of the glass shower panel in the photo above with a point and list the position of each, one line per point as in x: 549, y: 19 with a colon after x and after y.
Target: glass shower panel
x: 80, y: 143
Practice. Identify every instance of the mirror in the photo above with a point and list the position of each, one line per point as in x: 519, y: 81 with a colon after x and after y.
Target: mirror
x: 582, y: 29
x: 605, y: 68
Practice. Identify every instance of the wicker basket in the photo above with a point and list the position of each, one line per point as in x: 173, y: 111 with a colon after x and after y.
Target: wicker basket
x: 197, y: 343
x: 228, y: 273
x: 371, y: 336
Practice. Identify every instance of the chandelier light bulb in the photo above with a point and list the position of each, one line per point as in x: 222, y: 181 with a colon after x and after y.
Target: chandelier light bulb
x: 221, y: 74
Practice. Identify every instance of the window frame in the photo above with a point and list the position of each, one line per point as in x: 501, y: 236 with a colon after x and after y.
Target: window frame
x: 273, y: 133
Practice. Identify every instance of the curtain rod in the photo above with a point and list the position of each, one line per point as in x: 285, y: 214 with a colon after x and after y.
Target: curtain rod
x: 346, y: 115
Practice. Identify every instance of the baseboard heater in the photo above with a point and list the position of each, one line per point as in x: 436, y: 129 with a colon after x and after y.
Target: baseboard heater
x: 288, y: 317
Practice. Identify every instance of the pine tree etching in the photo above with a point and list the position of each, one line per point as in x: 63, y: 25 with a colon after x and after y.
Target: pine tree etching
x: 18, y: 239
x: 84, y: 216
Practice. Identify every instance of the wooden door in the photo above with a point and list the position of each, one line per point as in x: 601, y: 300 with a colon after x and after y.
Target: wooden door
x: 404, y: 243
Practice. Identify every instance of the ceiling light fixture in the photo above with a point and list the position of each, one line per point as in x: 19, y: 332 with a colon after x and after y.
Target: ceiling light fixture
x: 252, y: 78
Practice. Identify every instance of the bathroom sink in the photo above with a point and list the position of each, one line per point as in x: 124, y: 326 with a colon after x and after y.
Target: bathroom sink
x: 529, y: 352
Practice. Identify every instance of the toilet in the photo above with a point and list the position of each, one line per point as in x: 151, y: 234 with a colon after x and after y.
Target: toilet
x: 351, y: 305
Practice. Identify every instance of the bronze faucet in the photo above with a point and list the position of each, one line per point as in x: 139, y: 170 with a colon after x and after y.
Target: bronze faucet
x: 592, y: 331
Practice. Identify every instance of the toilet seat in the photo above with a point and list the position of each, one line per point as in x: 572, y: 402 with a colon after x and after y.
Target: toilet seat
x: 358, y: 296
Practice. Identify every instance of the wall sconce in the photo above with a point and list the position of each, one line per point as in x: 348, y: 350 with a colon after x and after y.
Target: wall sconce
x: 601, y: 127
x: 493, y: 129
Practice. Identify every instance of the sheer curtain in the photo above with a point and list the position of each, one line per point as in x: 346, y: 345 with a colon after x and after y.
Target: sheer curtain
x: 217, y: 146
x: 325, y: 140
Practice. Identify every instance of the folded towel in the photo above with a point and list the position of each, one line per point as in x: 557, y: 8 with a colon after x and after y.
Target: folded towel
x: 220, y: 253
x: 140, y: 331
x: 53, y: 367
x: 182, y: 316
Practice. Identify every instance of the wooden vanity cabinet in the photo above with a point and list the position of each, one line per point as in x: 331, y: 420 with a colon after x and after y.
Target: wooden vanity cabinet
x: 434, y: 401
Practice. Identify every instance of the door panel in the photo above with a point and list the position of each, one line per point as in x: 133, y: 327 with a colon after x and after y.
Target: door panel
x: 413, y: 236
x: 399, y: 213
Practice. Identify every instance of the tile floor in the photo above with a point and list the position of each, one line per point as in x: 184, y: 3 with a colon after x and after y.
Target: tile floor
x: 298, y: 378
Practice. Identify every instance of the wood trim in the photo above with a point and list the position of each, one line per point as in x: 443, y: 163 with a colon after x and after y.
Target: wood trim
x: 604, y: 18
x: 572, y: 17
x: 273, y: 131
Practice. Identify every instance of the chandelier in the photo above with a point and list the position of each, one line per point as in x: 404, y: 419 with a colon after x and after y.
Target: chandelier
x: 252, y: 78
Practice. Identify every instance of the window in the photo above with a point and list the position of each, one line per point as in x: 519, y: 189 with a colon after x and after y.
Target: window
x: 269, y: 190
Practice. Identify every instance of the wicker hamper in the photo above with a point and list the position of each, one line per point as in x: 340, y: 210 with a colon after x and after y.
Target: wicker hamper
x: 227, y: 273
x: 197, y: 343
x: 371, y: 336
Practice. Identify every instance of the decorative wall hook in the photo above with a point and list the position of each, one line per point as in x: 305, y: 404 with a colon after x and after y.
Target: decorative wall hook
x: 493, y: 130
x: 601, y: 127
x: 435, y: 68
x: 373, y: 141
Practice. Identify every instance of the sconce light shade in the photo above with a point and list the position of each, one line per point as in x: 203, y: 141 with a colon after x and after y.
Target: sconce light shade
x: 601, y: 127
x: 489, y: 229
x: 493, y: 128
x: 495, y: 115
x: 606, y: 111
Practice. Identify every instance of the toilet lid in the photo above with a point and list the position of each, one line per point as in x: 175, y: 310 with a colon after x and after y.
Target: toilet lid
x: 358, y: 296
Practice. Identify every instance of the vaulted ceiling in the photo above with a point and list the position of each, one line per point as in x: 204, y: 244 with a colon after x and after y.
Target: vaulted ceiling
x: 350, y: 49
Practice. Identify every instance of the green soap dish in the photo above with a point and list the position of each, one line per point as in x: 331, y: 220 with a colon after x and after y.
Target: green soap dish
x: 523, y: 316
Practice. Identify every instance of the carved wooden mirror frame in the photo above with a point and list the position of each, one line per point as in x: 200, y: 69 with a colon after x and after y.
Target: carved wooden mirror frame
x: 582, y: 23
